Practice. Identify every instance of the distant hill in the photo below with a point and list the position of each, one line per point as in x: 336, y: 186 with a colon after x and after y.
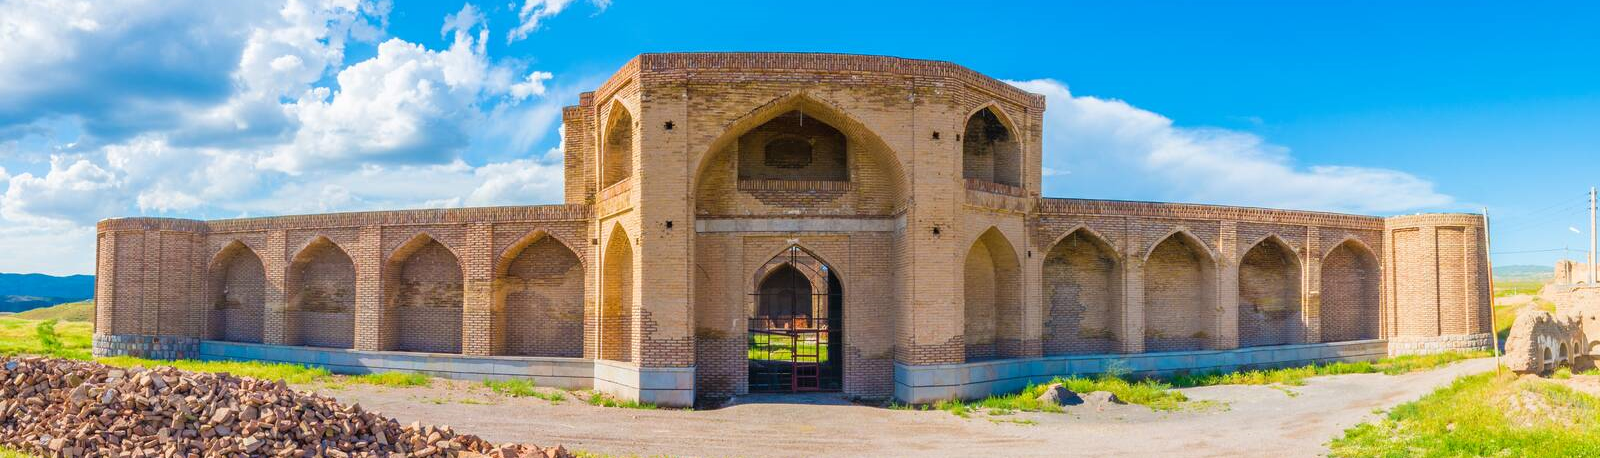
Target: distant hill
x: 1524, y: 273
x: 21, y: 292
x: 72, y: 311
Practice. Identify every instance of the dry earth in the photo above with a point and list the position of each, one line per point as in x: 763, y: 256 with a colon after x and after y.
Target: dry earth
x: 1256, y: 421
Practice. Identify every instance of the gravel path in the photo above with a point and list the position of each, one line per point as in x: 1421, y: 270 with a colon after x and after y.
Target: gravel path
x: 1253, y: 421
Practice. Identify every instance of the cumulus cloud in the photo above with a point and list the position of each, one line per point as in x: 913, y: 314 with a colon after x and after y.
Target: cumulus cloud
x: 74, y: 191
x: 216, y: 109
x: 1103, y: 148
x: 407, y: 105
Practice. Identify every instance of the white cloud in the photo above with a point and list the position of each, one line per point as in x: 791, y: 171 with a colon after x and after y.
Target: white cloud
x: 74, y: 191
x: 407, y: 105
x: 215, y: 109
x: 1109, y: 149
x: 534, y: 11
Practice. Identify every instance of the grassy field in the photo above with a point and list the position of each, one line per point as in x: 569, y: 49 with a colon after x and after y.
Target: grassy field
x: 1159, y: 394
x: 1483, y: 415
x: 779, y: 348
x: 70, y: 340
x: 1504, y: 288
x: 71, y: 311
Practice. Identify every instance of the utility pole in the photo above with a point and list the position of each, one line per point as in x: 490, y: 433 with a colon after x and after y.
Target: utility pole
x: 1593, y: 238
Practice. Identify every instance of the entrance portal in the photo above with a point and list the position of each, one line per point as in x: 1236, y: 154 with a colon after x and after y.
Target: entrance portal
x: 795, y: 340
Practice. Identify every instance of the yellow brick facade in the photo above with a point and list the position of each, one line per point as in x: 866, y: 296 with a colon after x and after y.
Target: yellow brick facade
x: 916, y: 183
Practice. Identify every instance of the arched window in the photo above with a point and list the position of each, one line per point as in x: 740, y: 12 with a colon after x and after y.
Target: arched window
x: 990, y: 151
x: 616, y: 154
x: 793, y: 146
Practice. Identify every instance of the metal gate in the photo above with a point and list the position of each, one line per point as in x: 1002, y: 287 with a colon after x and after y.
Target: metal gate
x: 791, y: 341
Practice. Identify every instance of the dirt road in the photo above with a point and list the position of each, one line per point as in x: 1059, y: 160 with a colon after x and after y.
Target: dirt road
x: 1256, y: 421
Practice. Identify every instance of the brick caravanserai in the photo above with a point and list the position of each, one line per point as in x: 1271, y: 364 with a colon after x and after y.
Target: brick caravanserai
x: 756, y: 222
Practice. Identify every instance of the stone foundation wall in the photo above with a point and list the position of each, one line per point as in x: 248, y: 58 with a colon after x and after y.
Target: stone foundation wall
x: 1439, y: 344
x: 152, y: 347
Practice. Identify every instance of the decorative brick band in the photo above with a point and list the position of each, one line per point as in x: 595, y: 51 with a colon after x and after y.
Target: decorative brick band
x: 152, y: 347
x: 995, y: 188
x: 794, y: 185
x: 1050, y: 205
x: 824, y: 62
x: 1439, y: 344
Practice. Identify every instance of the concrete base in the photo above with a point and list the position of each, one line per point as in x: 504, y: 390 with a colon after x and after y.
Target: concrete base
x: 662, y: 386
x: 566, y: 373
x: 1439, y: 344
x: 924, y: 384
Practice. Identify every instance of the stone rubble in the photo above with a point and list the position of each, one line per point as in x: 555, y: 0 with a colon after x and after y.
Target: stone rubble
x: 63, y: 408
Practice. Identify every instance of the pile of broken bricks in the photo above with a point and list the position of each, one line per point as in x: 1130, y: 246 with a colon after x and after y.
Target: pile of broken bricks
x: 64, y: 408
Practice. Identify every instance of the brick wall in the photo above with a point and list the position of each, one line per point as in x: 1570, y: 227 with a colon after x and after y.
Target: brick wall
x: 323, y: 295
x: 543, y: 289
x: 1269, y: 296
x: 654, y: 161
x: 1082, y: 296
x: 1351, y: 294
x: 239, y: 288
x: 1179, y: 288
x: 427, y: 291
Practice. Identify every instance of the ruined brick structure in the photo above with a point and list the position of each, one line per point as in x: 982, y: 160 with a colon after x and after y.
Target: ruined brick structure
x: 906, y: 192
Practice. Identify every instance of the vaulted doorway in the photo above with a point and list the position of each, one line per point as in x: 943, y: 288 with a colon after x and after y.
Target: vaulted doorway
x: 795, y: 339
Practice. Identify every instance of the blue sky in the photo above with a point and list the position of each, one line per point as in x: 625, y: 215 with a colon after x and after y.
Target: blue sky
x: 226, y: 109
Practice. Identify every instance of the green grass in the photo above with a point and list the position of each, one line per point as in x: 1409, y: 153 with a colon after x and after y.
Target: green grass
x: 394, y: 379
x: 71, y: 340
x: 1504, y: 288
x: 6, y: 452
x: 1483, y: 415
x: 291, y: 373
x: 781, y: 348
x: 1155, y: 394
x: 1297, y: 375
x: 605, y: 400
x: 71, y: 311
x: 28, y: 337
x: 523, y: 388
x: 1159, y: 394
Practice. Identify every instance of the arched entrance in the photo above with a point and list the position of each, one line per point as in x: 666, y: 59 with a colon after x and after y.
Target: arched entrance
x: 795, y: 338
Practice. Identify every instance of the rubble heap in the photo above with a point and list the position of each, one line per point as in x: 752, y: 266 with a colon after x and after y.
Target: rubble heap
x: 55, y: 407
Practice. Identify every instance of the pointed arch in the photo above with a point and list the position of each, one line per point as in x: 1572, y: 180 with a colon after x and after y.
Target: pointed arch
x: 1082, y: 291
x: 1270, y: 306
x: 855, y: 131
x: 1351, y: 294
x: 992, y: 312
x: 991, y: 148
x: 1184, y: 235
x: 616, y: 145
x: 794, y: 339
x: 238, y: 286
x: 617, y: 301
x: 322, y: 281
x: 423, y: 287
x: 1180, y: 290
x: 538, y: 298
